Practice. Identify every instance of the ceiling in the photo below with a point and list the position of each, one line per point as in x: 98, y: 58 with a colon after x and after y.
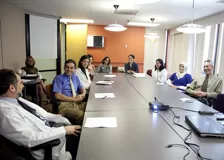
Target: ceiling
x: 169, y: 13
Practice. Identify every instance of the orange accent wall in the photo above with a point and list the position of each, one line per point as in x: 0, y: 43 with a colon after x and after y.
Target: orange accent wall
x: 114, y: 45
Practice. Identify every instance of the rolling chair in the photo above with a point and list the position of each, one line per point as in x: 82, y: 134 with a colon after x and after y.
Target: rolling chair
x: 55, y: 103
x: 149, y: 72
x: 219, y: 103
x: 24, y: 152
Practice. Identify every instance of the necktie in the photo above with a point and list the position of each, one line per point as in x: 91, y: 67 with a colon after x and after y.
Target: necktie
x: 33, y: 111
x: 205, y: 84
x: 72, y: 88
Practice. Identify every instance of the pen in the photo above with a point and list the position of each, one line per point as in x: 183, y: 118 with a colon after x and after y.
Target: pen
x: 104, y: 97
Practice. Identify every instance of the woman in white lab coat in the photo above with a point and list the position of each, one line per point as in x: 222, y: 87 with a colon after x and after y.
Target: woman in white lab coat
x: 82, y: 71
x: 160, y: 72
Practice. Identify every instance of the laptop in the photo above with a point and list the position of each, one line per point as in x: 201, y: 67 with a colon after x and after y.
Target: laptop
x: 205, y: 126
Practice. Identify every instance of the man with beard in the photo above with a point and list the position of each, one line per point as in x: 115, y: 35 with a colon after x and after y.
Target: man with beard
x: 206, y: 88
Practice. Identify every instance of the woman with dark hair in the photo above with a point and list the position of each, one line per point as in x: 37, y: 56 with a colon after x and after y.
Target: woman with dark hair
x: 159, y: 73
x: 31, y: 69
x: 91, y: 67
x: 131, y: 67
x: 82, y: 71
x: 105, y: 67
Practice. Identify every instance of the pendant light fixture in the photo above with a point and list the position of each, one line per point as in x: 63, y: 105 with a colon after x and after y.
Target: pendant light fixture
x: 191, y: 28
x: 115, y: 27
x: 152, y: 35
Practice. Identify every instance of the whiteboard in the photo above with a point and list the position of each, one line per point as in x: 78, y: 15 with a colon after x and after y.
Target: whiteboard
x: 43, y: 37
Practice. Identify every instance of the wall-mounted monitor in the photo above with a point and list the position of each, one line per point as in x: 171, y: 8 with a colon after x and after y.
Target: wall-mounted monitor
x: 95, y: 41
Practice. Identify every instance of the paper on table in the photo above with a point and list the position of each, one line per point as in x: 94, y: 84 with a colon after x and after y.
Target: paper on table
x: 104, y: 95
x: 160, y: 83
x: 31, y: 75
x: 26, y: 80
x: 105, y: 82
x: 185, y: 99
x: 139, y: 75
x: 110, y: 76
x: 96, y: 122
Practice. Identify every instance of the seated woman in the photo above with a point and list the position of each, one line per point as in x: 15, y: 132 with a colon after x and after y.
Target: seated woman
x: 160, y: 72
x: 30, y: 69
x: 181, y: 79
x: 131, y: 67
x: 82, y: 71
x: 105, y: 67
x: 91, y: 67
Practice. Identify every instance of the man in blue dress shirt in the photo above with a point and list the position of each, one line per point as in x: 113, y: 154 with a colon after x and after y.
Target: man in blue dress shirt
x: 68, y: 89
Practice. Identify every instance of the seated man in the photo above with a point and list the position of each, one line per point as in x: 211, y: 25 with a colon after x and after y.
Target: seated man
x: 206, y: 89
x: 27, y: 124
x: 68, y: 89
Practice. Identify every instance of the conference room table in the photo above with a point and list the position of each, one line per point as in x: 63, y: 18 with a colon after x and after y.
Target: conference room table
x: 209, y: 147
x: 126, y: 97
x: 140, y: 133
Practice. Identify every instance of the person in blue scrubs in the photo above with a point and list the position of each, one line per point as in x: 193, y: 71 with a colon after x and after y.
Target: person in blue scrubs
x: 180, y: 79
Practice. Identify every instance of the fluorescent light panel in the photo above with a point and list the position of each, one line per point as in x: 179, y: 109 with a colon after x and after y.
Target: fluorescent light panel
x: 139, y: 1
x: 76, y: 20
x: 143, y: 24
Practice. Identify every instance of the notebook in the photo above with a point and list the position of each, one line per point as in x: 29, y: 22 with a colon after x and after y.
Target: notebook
x: 205, y: 126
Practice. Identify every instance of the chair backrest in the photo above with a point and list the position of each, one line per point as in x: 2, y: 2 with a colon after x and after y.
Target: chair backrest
x: 219, y: 103
x: 8, y: 147
x: 49, y: 89
x: 149, y: 72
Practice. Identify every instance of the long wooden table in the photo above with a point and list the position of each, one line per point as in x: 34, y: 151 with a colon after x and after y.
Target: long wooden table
x: 141, y: 134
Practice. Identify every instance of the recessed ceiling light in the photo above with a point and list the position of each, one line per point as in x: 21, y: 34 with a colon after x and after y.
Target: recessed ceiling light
x: 76, y: 20
x: 143, y: 24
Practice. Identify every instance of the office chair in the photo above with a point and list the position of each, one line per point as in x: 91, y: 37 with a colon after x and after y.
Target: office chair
x: 55, y: 103
x: 149, y: 72
x: 219, y: 102
x: 24, y: 152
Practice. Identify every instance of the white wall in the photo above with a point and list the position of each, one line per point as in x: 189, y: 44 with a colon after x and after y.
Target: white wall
x: 62, y: 31
x: 196, y: 49
x: 12, y: 21
x: 154, y: 49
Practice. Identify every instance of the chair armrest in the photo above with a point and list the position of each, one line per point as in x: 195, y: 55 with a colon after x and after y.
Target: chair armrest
x: 49, y: 144
x: 55, y: 102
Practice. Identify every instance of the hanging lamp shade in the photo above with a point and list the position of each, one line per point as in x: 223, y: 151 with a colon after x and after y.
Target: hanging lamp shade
x: 191, y: 28
x: 115, y: 28
x: 152, y: 35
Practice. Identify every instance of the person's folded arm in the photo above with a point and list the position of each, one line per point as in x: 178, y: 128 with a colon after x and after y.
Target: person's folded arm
x: 190, y: 88
x: 64, y: 98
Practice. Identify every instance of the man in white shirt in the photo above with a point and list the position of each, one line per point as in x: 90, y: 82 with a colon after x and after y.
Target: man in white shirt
x: 31, y: 129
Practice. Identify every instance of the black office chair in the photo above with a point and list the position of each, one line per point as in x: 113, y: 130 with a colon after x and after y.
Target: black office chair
x: 219, y: 103
x: 24, y: 152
